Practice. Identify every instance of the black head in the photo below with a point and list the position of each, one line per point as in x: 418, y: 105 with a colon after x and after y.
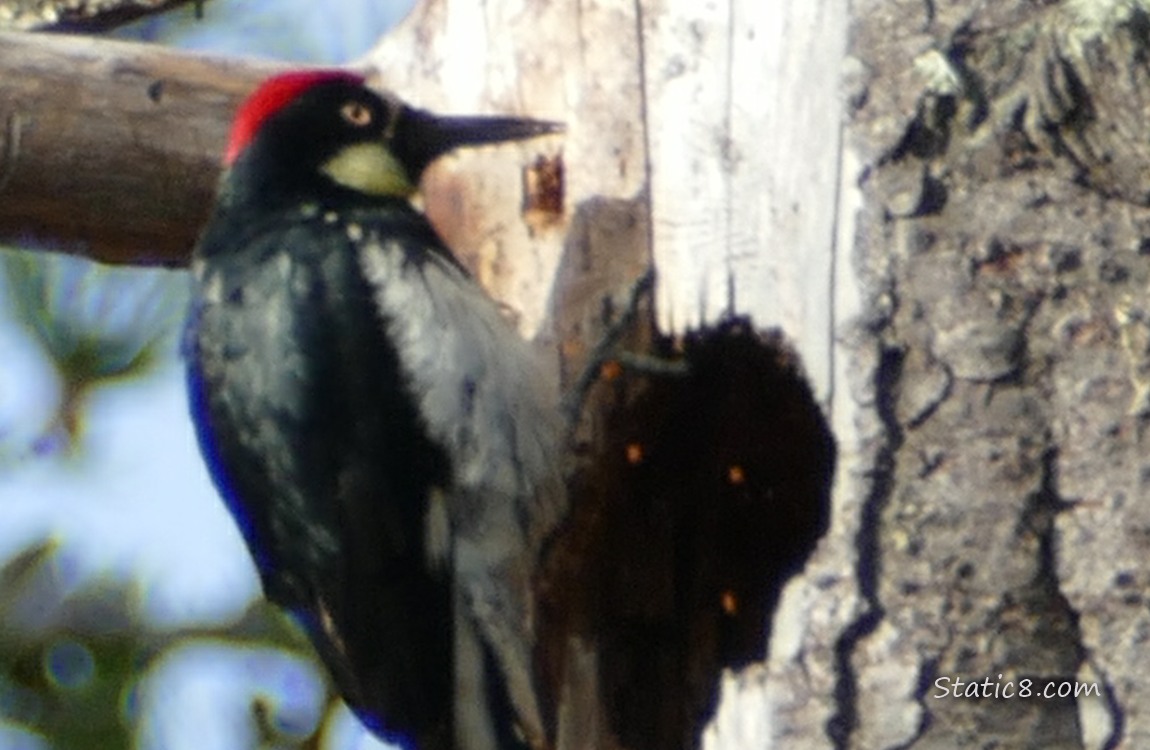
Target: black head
x: 309, y: 133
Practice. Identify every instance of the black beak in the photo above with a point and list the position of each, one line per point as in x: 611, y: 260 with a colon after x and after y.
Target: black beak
x: 420, y: 136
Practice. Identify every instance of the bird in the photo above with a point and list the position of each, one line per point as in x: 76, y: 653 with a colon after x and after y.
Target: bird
x: 387, y: 443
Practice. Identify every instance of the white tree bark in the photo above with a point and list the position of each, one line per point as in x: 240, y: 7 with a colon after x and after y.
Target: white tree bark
x: 724, y: 117
x: 722, y: 122
x: 963, y: 281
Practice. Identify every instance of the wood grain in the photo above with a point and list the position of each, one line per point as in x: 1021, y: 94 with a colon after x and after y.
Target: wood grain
x: 111, y: 149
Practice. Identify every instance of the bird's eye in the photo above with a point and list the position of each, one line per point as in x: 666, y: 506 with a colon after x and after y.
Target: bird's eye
x: 357, y: 113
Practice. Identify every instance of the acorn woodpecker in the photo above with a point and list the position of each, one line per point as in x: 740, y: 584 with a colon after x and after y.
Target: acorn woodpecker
x: 387, y: 443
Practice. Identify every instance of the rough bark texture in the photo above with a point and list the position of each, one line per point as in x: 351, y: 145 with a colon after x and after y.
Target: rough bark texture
x: 1001, y: 379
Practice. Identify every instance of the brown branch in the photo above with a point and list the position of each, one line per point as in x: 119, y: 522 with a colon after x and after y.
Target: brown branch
x: 111, y: 149
x: 101, y: 17
x: 85, y: 15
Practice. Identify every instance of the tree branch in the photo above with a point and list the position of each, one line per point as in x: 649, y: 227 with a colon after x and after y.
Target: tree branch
x: 94, y: 131
x: 86, y: 15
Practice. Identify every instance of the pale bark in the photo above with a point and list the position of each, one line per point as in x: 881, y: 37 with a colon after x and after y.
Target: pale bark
x: 713, y: 130
x: 976, y: 334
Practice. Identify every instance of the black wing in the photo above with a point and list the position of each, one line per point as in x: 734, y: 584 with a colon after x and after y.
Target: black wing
x: 315, y: 445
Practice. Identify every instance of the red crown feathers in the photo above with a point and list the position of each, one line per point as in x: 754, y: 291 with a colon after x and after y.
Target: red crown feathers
x: 272, y: 96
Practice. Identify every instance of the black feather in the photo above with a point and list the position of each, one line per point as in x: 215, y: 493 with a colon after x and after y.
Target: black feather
x: 314, y: 442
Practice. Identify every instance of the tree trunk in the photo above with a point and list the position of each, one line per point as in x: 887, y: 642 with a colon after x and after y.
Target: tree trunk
x: 703, y: 140
x: 965, y: 299
x: 1000, y: 370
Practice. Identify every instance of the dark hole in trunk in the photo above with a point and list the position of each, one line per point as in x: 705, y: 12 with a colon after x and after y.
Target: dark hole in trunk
x: 699, y: 496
